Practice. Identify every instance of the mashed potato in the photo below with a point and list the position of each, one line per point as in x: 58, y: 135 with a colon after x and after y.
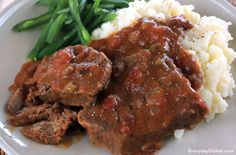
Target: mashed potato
x: 207, y: 41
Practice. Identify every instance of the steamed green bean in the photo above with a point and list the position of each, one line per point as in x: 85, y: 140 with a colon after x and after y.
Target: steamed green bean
x: 82, y: 31
x: 68, y: 22
x: 34, y: 22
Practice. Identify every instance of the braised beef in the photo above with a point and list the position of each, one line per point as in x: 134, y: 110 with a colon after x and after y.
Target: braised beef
x: 150, y: 94
x: 16, y: 101
x: 19, y: 89
x: 43, y: 90
x: 51, y: 131
x: 152, y: 90
x: 46, y: 123
x: 25, y: 75
x: 33, y: 114
x: 72, y: 76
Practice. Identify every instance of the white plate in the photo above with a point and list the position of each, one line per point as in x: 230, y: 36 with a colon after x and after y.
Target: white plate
x: 217, y: 134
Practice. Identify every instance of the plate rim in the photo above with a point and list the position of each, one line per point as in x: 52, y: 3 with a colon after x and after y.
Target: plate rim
x: 10, y: 9
x: 6, y: 12
x: 227, y: 6
x: 4, y: 15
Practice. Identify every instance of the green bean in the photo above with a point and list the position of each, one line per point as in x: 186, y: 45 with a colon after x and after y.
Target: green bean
x: 104, y: 17
x: 109, y: 17
x: 129, y: 0
x: 88, y: 17
x: 32, y: 23
x: 68, y: 16
x: 96, y: 4
x: 83, y: 35
x: 56, y: 45
x: 40, y: 20
x: 43, y: 36
x: 75, y: 12
x: 61, y: 5
x: 86, y: 11
x: 47, y: 2
x: 66, y: 10
x: 70, y: 26
x: 100, y: 11
x: 96, y: 23
x: 55, y: 28
x: 40, y: 43
x: 98, y: 20
x: 107, y: 6
x: 82, y: 5
x: 75, y: 41
x: 68, y: 20
x: 117, y: 3
x: 90, y: 14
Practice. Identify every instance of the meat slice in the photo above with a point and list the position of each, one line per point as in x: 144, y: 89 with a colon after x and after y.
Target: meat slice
x: 150, y: 94
x: 46, y: 123
x: 15, y: 101
x: 51, y: 131
x: 150, y: 103
x: 19, y: 89
x: 33, y: 114
x: 149, y: 34
x: 25, y: 75
x: 72, y: 76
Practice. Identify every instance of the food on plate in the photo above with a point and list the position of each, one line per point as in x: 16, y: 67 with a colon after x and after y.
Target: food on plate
x: 147, y: 70
x: 152, y: 95
x: 68, y: 22
x: 45, y: 123
x: 207, y: 41
x: 72, y: 76
x: 51, y: 131
x: 18, y: 89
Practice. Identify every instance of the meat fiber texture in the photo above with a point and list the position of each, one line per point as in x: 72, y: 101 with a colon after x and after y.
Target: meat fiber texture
x: 208, y: 41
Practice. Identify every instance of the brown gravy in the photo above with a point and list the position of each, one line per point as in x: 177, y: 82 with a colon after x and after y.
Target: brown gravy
x: 157, y: 38
x: 151, y: 92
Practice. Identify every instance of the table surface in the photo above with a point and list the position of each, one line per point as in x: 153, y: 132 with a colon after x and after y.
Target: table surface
x: 5, y: 3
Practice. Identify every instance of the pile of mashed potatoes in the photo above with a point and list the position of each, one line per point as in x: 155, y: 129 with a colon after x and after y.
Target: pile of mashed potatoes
x: 208, y: 42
